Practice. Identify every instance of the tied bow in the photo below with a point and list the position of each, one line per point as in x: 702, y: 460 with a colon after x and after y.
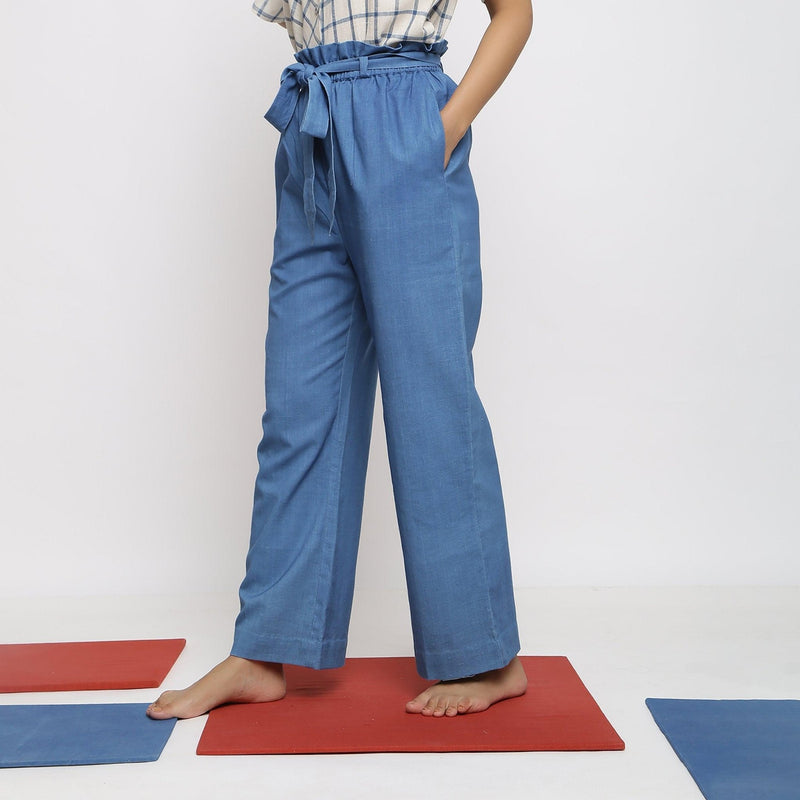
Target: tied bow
x: 316, y: 122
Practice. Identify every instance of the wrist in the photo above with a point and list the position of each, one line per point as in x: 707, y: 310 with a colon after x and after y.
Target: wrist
x: 455, y: 120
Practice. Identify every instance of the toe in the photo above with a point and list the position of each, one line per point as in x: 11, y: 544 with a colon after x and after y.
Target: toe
x: 416, y: 705
x: 429, y: 707
x: 160, y: 701
x: 161, y: 708
x: 439, y: 708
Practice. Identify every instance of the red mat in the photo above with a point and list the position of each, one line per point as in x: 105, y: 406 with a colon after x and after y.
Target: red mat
x: 76, y: 666
x: 360, y: 708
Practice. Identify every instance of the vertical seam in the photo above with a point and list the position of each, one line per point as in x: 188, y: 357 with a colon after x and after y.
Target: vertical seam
x: 468, y: 382
x: 328, y: 542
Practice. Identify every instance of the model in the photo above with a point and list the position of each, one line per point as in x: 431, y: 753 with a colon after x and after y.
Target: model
x: 375, y: 273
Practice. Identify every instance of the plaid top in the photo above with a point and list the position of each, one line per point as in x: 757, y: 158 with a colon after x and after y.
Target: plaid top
x: 313, y: 22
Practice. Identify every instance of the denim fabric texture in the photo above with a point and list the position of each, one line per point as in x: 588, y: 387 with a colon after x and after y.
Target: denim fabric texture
x: 388, y: 287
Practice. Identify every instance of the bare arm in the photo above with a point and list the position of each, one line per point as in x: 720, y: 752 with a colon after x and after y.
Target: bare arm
x: 510, y: 26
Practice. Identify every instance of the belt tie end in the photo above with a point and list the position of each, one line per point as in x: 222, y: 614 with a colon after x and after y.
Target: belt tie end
x: 317, y: 121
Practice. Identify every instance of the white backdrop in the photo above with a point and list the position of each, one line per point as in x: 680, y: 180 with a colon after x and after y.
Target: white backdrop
x: 638, y: 347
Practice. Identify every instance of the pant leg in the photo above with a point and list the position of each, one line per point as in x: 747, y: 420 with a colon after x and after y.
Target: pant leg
x: 320, y: 383
x: 412, y: 231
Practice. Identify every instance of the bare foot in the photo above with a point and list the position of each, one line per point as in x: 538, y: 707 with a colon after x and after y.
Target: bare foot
x: 467, y: 695
x: 234, y: 680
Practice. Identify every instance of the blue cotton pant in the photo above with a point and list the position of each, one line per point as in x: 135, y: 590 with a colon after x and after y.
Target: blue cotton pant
x: 375, y: 272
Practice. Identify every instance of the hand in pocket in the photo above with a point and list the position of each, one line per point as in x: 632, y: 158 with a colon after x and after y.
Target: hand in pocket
x: 451, y: 136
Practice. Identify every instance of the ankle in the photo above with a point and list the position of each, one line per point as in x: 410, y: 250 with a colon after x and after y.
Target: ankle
x: 271, y: 667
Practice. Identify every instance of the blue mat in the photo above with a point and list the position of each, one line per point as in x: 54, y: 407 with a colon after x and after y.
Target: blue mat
x: 80, y: 733
x: 735, y: 749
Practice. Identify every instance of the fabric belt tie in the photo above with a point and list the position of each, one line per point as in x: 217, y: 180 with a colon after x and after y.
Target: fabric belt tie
x: 318, y: 118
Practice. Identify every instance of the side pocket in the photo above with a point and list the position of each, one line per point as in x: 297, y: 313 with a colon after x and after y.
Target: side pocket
x: 441, y: 138
x: 435, y: 109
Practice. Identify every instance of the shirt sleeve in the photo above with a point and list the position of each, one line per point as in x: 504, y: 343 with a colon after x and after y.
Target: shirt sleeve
x: 270, y: 10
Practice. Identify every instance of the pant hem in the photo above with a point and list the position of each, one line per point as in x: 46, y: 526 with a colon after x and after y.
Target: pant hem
x: 328, y: 654
x: 448, y: 665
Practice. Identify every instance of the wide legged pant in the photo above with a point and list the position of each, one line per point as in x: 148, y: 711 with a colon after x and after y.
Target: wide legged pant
x: 375, y: 271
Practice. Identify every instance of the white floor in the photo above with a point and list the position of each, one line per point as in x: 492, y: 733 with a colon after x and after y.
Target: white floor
x: 626, y: 644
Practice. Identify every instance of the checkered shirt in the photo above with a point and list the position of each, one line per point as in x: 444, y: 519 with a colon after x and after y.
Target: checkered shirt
x: 380, y: 22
